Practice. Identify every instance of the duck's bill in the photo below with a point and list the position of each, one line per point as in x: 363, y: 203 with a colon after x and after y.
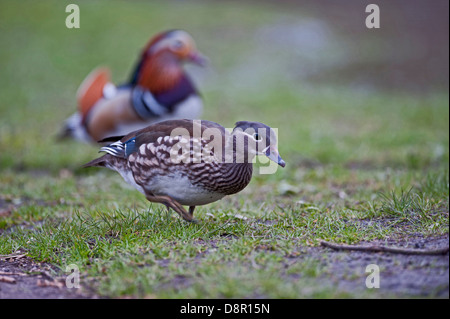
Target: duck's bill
x: 198, y: 58
x: 272, y: 153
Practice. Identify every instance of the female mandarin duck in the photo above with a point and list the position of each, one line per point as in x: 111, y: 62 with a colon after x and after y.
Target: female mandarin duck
x: 159, y: 89
x: 189, y: 162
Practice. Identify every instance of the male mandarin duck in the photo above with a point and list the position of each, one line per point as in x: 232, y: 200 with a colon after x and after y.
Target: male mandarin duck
x: 158, y: 90
x: 189, y: 162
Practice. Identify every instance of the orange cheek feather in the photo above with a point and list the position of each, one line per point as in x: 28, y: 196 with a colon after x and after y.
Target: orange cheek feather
x: 159, y: 76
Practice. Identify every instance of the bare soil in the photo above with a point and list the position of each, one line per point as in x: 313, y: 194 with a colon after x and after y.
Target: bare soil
x: 22, y: 278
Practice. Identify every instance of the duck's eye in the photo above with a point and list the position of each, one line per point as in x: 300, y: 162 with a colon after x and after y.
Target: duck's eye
x: 177, y: 45
x: 257, y: 137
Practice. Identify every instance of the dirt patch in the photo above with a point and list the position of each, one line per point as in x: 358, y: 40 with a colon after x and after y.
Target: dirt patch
x: 22, y: 278
x: 401, y: 275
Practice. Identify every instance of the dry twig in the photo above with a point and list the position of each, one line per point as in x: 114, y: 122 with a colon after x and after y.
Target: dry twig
x: 12, y: 257
x: 394, y: 250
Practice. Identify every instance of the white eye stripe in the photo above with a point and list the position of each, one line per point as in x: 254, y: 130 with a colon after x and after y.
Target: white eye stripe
x: 175, y: 44
x: 160, y: 45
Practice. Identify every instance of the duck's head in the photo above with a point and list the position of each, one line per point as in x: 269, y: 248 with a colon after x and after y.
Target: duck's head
x: 257, y: 139
x: 177, y: 44
x: 161, y: 64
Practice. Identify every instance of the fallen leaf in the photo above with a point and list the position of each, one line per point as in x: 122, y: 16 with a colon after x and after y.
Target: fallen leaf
x: 284, y: 188
x: 342, y: 195
x: 7, y: 279
x: 238, y: 216
x: 65, y: 173
x: 49, y: 283
x: 6, y: 211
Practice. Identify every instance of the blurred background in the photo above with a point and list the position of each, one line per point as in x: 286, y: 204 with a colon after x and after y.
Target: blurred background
x: 340, y: 93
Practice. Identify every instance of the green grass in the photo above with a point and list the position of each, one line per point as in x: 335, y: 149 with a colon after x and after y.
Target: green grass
x: 361, y: 165
x: 146, y: 252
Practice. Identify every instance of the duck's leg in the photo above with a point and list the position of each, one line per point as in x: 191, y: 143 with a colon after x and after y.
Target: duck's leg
x: 169, y: 202
x: 191, y: 212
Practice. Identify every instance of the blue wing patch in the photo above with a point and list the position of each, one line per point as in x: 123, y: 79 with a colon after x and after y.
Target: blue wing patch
x: 130, y: 146
x: 120, y: 149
